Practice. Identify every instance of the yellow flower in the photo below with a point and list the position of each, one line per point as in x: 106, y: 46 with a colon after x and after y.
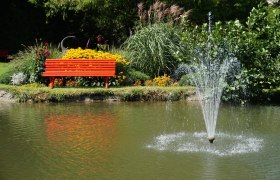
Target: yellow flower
x: 80, y: 53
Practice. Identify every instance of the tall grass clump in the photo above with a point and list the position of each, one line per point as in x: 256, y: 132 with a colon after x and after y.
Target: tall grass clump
x: 151, y: 49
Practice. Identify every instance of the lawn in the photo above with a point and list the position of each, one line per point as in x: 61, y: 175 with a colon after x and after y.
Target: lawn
x: 3, y: 67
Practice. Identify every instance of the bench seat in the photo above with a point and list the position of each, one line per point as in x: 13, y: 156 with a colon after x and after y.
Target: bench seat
x: 79, y: 68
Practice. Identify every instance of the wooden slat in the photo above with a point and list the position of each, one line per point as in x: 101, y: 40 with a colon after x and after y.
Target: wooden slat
x: 78, y: 74
x: 77, y: 69
x: 80, y: 67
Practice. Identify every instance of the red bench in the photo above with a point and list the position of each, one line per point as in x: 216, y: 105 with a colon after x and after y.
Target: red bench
x: 80, y: 68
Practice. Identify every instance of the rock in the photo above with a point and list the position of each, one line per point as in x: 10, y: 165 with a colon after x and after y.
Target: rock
x: 6, y: 97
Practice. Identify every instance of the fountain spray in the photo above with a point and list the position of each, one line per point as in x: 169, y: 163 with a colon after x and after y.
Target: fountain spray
x: 208, y: 72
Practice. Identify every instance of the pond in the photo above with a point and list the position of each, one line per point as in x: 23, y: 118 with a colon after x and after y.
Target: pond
x: 137, y: 140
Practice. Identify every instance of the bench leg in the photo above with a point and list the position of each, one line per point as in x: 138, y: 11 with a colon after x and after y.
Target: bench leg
x: 51, y: 85
x: 106, y: 82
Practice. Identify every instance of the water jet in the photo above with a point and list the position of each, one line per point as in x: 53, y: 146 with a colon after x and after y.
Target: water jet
x: 209, y: 69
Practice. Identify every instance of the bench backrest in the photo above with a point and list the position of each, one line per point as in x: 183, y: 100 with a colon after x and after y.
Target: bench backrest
x: 80, y: 67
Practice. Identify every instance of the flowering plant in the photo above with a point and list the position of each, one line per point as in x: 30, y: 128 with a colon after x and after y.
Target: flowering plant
x: 58, y: 82
x: 164, y: 80
x: 102, y: 44
x: 121, y: 63
x: 71, y: 83
x: 42, y: 52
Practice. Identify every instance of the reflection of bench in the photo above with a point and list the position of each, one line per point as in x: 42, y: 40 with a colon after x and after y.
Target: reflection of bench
x: 80, y: 68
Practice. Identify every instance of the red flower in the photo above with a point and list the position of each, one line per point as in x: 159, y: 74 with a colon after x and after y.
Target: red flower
x: 39, y: 53
x: 99, y: 39
x: 47, y: 52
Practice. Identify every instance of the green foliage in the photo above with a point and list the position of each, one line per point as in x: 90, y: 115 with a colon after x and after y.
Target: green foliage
x: 186, y: 80
x: 54, y: 6
x: 34, y: 85
x: 256, y: 46
x: 223, y: 10
x: 135, y: 76
x: 204, y: 47
x: 3, y: 67
x: 36, y: 93
x: 28, y: 62
x: 37, y: 66
x: 18, y: 79
x: 86, y: 19
x: 151, y: 49
x: 223, y: 35
x: 259, y: 50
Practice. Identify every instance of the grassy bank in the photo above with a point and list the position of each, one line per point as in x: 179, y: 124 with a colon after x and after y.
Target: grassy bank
x: 3, y: 67
x: 136, y: 93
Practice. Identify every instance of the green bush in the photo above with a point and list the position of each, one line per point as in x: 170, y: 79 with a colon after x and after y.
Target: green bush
x: 27, y: 61
x: 135, y: 76
x: 258, y: 50
x: 186, y: 81
x: 256, y: 46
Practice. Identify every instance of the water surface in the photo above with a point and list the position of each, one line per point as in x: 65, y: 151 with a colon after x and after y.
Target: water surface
x: 118, y: 140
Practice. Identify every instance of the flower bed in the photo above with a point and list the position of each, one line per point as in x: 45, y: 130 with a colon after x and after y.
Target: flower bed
x: 121, y: 66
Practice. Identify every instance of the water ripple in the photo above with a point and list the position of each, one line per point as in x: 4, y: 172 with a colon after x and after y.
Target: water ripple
x: 224, y: 145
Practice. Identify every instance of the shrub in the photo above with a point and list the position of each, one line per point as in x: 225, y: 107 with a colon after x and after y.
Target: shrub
x: 257, y: 49
x: 18, y: 78
x: 136, y: 77
x: 164, y: 80
x: 260, y: 49
x: 37, y: 66
x: 58, y: 82
x: 26, y: 61
x: 186, y: 80
x: 181, y: 70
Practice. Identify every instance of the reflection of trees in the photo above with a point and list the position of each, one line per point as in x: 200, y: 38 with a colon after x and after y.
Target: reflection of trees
x: 83, y: 142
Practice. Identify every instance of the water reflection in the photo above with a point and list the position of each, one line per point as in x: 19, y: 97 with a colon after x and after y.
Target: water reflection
x: 84, y: 141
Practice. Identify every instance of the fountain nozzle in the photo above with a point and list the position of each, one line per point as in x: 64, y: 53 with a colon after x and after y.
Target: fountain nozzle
x: 211, y: 139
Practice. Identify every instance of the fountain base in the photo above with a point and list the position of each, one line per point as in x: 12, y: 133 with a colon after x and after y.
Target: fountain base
x: 211, y: 139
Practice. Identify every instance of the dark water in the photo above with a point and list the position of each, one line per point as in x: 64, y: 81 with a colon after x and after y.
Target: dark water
x: 118, y: 140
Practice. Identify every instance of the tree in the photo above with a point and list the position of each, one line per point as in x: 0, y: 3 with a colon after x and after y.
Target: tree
x: 116, y: 18
x: 223, y: 10
x: 90, y: 18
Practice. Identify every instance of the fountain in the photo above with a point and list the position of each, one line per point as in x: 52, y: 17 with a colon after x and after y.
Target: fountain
x: 208, y: 73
